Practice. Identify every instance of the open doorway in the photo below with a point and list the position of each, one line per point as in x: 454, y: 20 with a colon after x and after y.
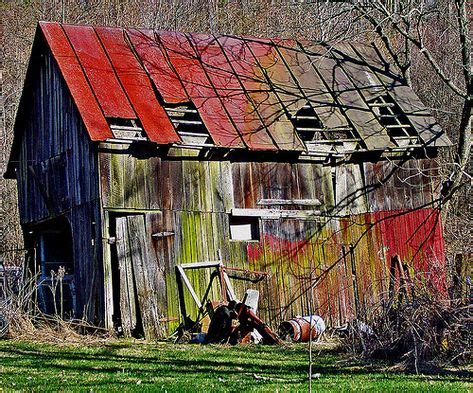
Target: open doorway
x: 55, y: 267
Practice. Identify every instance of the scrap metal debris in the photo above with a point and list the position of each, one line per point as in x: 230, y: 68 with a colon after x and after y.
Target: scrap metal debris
x: 300, y: 329
x: 231, y: 321
x: 234, y: 323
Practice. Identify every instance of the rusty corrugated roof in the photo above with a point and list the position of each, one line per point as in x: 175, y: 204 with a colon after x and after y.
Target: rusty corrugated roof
x: 245, y: 90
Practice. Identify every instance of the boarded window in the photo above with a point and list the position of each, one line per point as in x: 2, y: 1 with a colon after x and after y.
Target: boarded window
x: 244, y: 228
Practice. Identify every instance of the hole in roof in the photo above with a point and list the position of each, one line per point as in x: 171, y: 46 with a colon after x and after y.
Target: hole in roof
x: 188, y: 124
x: 310, y: 128
x: 391, y: 116
x: 126, y: 129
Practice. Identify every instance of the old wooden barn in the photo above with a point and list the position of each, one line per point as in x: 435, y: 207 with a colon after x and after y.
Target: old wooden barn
x: 304, y: 165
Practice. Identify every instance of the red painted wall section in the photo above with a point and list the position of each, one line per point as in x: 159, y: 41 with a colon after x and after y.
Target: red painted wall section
x: 417, y: 237
x: 322, y: 253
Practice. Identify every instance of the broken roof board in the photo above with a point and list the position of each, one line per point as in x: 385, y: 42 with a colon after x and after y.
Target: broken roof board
x: 241, y: 68
x: 312, y: 87
x: 358, y: 112
x: 234, y: 98
x: 420, y: 117
x: 361, y: 76
x: 76, y: 81
x: 99, y: 72
x: 137, y: 86
x: 199, y: 88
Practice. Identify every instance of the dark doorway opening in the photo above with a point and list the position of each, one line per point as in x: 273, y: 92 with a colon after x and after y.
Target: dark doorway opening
x: 54, y: 265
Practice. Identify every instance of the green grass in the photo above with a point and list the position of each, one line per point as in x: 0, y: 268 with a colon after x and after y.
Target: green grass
x: 167, y: 367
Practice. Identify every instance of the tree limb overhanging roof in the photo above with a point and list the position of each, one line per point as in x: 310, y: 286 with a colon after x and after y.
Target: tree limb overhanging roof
x: 244, y: 89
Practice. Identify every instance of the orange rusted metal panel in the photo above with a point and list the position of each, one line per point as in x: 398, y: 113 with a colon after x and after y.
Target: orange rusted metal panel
x: 270, y: 71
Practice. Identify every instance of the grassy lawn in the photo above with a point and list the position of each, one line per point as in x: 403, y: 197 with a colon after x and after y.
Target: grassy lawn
x: 168, y: 367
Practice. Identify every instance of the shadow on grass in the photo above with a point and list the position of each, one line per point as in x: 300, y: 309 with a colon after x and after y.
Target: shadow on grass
x: 274, y: 362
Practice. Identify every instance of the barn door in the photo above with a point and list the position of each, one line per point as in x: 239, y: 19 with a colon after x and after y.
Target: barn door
x: 138, y: 284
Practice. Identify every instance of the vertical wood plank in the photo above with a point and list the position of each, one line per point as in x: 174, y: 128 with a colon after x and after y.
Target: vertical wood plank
x: 126, y: 285
x: 141, y: 259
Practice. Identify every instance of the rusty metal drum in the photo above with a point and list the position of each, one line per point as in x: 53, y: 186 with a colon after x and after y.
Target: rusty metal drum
x: 299, y: 328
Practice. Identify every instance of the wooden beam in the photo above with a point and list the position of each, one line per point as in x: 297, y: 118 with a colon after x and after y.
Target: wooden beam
x: 162, y: 234
x: 276, y: 213
x: 189, y: 286
x: 199, y: 265
x: 278, y: 202
x: 229, y: 287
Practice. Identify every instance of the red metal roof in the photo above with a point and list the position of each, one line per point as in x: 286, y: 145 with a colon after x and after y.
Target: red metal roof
x: 79, y: 87
x: 244, y: 89
x: 99, y: 72
x: 137, y: 85
x: 201, y: 92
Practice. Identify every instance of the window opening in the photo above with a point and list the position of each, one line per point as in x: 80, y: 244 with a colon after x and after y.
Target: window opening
x: 189, y: 125
x: 311, y: 130
x: 126, y: 129
x: 244, y: 228
x: 391, y: 116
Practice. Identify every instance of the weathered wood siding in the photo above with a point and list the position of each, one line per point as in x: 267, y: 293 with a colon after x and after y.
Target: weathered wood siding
x: 57, y: 175
x: 194, y: 199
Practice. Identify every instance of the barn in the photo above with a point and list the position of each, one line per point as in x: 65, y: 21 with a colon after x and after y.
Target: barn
x: 299, y: 169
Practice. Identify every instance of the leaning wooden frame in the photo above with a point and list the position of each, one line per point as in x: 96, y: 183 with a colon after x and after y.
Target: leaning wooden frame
x: 226, y: 287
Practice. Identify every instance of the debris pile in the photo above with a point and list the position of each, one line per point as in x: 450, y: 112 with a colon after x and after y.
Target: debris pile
x: 237, y: 323
x: 233, y: 321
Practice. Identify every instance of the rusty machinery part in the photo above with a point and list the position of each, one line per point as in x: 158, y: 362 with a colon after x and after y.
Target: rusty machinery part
x: 222, y: 325
x: 253, y: 276
x: 298, y: 329
x: 234, y: 323
x: 218, y: 271
x: 3, y: 325
x: 251, y: 320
